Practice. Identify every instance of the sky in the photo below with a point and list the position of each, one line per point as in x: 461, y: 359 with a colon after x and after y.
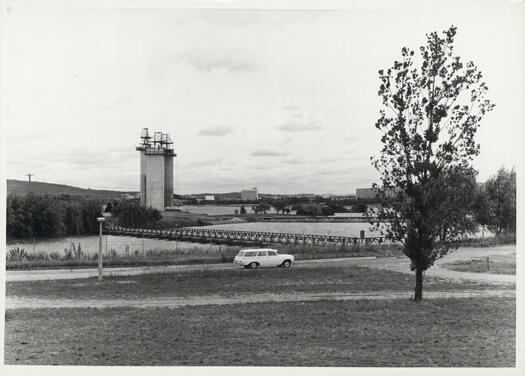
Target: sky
x: 282, y: 100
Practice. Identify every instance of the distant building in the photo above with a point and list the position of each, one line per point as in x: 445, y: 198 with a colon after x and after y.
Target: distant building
x: 372, y: 193
x: 131, y: 196
x: 366, y: 193
x: 249, y: 194
x: 177, y: 202
x: 209, y: 197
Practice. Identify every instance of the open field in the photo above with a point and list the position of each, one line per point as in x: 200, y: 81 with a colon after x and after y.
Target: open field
x: 476, y: 332
x: 230, y: 317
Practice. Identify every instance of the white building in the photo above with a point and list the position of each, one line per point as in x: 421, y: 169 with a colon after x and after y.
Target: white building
x: 371, y: 193
x: 249, y: 194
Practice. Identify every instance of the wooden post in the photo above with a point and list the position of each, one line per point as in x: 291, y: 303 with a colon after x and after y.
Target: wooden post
x: 488, y: 264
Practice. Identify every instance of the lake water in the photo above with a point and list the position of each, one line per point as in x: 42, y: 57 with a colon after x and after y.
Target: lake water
x: 314, y: 228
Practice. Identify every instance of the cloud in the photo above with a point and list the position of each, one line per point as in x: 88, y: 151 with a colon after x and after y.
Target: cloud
x: 205, y: 162
x: 292, y: 161
x: 207, y: 61
x: 291, y: 108
x: 294, y: 125
x: 267, y: 152
x: 218, y: 131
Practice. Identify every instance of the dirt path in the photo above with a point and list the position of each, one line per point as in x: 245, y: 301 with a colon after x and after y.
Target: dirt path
x: 53, y: 274
x: 173, y: 302
x: 401, y: 264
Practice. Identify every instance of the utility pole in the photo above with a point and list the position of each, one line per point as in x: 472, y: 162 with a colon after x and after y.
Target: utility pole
x: 29, y: 186
x: 100, y: 221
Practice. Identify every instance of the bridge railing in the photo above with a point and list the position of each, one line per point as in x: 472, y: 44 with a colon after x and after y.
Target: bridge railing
x: 207, y: 234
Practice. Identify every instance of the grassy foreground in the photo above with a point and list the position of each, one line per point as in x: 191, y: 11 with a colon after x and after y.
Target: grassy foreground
x: 436, y: 333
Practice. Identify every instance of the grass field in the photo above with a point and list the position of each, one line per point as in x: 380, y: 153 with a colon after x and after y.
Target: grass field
x: 437, y: 333
x: 466, y: 332
x: 231, y: 282
x: 494, y: 265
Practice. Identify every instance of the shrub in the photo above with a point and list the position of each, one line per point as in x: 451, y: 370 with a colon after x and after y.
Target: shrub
x: 54, y: 256
x: 17, y: 254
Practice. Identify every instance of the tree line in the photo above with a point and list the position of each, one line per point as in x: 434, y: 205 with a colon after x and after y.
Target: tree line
x: 41, y: 216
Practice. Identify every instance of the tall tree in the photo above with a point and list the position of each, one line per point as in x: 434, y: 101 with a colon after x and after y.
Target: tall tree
x: 432, y: 107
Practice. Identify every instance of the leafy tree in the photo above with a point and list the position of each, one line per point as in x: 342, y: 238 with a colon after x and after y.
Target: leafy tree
x: 263, y: 207
x: 132, y: 214
x: 279, y: 205
x: 496, y: 202
x: 44, y: 216
x: 314, y: 209
x: 431, y: 111
x: 242, y: 210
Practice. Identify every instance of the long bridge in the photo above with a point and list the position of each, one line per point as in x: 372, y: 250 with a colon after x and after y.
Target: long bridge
x: 208, y: 235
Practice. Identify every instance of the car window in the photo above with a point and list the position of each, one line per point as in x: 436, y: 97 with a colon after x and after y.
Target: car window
x: 250, y: 254
x: 261, y: 253
x: 272, y: 253
x: 240, y: 253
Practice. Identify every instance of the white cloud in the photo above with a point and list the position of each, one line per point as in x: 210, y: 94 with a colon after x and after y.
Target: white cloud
x: 230, y: 60
x: 218, y: 131
x: 294, y: 125
x: 268, y: 152
x: 205, y: 162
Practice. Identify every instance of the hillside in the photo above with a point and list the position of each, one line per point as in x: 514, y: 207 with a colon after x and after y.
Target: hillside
x: 21, y: 187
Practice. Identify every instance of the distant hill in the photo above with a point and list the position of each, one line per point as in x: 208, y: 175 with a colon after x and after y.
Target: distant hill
x: 19, y: 187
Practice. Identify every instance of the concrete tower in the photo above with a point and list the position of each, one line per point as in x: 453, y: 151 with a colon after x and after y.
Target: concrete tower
x: 156, y: 170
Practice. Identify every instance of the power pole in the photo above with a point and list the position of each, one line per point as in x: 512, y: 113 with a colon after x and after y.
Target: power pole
x: 29, y: 186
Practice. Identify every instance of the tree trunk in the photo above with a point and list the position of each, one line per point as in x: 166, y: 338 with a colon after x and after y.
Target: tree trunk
x: 419, y: 284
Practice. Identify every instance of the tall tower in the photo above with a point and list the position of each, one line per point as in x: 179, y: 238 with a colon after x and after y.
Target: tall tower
x: 156, y: 170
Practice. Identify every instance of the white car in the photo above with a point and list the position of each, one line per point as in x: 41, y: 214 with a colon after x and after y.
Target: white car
x: 253, y: 258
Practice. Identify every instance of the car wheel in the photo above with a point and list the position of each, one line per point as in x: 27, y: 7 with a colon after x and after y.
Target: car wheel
x: 253, y: 265
x: 286, y: 263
